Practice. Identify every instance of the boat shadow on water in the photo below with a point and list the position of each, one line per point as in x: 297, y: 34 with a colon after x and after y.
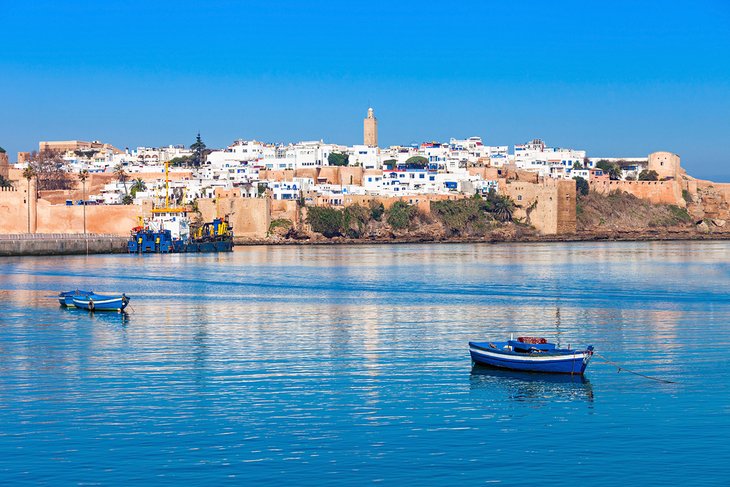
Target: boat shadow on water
x: 531, y: 386
x: 118, y: 318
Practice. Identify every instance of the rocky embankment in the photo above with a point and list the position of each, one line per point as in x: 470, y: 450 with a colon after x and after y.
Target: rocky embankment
x: 617, y: 216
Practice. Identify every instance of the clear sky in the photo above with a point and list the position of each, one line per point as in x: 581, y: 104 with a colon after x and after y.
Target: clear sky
x: 616, y: 78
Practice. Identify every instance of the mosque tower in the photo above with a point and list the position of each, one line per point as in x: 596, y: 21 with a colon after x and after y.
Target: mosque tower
x: 370, y: 129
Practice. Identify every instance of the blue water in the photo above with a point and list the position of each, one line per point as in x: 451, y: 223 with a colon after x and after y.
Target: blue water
x: 349, y: 365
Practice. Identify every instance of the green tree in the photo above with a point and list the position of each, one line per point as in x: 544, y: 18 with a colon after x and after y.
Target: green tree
x: 646, y: 175
x: 355, y: 220
x: 338, y: 159
x: 611, y: 168
x: 200, y: 151
x: 416, y: 162
x: 501, y: 206
x: 127, y: 199
x: 376, y: 210
x: 401, y: 215
x: 577, y: 165
x: 581, y: 186
x: 4, y: 182
x: 180, y: 161
x: 327, y: 221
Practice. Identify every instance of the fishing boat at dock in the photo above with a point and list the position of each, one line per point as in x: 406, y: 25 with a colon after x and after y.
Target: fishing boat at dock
x: 170, y: 230
x: 531, y: 354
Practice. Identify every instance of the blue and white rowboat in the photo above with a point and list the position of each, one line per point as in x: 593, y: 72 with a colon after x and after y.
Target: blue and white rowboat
x: 66, y: 299
x: 531, y: 355
x: 98, y: 302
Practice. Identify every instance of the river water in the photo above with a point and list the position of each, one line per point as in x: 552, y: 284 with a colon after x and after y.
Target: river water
x: 349, y: 365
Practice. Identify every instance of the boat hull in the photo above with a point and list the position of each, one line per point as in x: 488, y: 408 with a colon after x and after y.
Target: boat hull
x: 98, y: 302
x: 66, y: 299
x: 154, y: 245
x: 558, y: 362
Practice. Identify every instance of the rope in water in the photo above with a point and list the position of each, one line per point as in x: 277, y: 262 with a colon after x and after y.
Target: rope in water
x: 620, y: 368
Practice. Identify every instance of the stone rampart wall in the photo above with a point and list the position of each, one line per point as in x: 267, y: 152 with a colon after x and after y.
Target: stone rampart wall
x: 548, y: 205
x: 656, y: 192
x: 249, y: 217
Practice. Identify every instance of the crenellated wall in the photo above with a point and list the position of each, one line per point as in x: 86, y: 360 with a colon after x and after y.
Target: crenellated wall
x: 656, y: 192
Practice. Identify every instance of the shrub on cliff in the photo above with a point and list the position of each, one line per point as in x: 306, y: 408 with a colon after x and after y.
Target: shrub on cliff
x: 327, y: 221
x: 376, y: 210
x: 280, y: 226
x: 463, y: 217
x: 401, y: 215
x: 355, y: 219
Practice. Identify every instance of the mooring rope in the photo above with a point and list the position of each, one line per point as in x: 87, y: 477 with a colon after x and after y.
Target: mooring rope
x: 620, y: 368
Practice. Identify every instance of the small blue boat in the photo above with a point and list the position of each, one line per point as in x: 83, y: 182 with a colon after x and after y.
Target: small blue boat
x: 99, y: 302
x: 531, y: 354
x: 66, y: 299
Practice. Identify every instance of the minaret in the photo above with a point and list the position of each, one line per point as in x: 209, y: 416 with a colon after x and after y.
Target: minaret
x: 370, y: 129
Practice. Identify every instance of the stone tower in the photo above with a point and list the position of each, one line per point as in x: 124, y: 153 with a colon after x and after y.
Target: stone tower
x: 666, y: 164
x: 370, y: 129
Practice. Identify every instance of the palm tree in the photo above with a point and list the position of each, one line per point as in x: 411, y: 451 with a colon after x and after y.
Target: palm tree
x: 503, y: 208
x: 121, y: 175
x: 137, y: 186
x: 28, y: 174
x: 83, y: 176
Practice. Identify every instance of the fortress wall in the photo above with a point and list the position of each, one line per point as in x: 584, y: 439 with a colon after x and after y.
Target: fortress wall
x: 14, y: 209
x: 549, y: 206
x: 656, y: 192
x: 285, y: 209
x: 103, y: 219
x: 422, y: 201
x: 249, y: 217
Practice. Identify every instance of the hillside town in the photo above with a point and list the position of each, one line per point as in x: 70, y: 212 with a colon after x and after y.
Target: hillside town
x: 539, y: 180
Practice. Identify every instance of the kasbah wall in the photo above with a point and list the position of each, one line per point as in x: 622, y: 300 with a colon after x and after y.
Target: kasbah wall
x: 548, y: 205
x: 19, y: 214
x: 703, y: 199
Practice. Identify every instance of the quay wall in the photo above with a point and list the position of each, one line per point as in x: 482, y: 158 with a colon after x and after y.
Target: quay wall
x: 60, y: 244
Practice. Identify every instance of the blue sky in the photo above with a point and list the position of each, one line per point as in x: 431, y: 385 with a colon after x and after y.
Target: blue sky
x: 615, y: 78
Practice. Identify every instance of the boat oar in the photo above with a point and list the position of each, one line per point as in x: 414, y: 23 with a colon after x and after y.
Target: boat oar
x: 619, y: 368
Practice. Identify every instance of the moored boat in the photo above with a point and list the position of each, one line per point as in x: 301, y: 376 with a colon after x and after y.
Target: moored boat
x: 66, y: 299
x: 99, y: 302
x: 531, y: 354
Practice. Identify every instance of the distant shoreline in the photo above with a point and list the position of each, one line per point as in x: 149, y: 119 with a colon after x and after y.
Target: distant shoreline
x: 659, y: 236
x: 117, y: 245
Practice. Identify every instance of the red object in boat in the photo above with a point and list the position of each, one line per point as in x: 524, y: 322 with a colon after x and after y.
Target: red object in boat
x: 532, y: 340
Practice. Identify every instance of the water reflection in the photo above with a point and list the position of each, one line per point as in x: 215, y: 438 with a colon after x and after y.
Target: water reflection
x: 531, y: 387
